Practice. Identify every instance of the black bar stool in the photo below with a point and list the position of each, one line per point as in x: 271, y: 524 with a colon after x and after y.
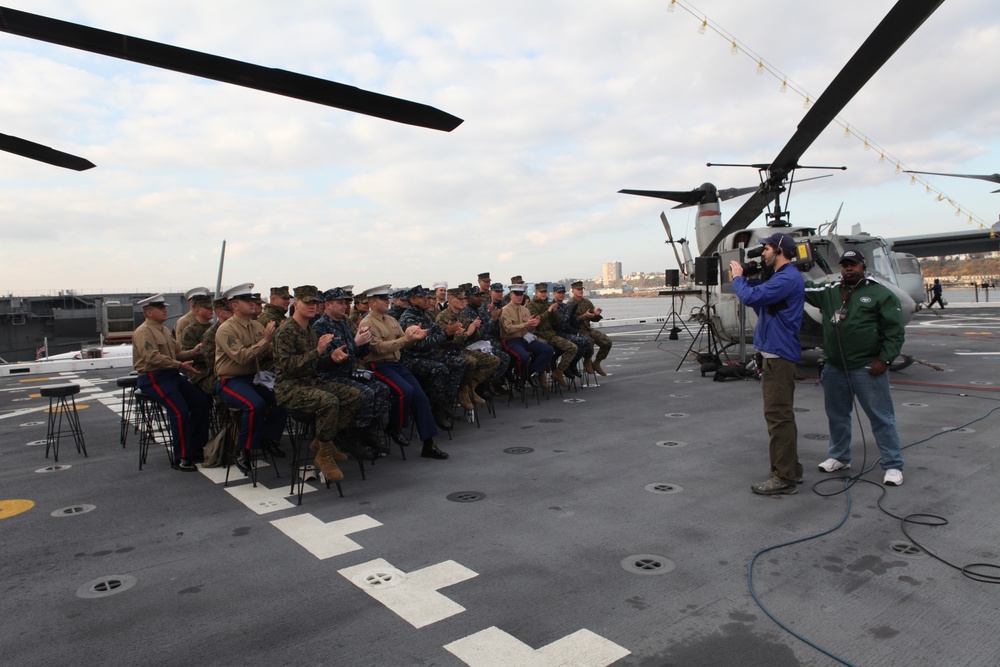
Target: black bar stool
x: 128, y: 385
x: 62, y: 401
x: 153, y: 424
x: 232, y: 426
x: 301, y: 429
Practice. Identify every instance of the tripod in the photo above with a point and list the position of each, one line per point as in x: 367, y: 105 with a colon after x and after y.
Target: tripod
x: 712, y: 336
x: 673, y: 318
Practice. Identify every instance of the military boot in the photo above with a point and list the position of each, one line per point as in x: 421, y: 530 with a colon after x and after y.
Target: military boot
x: 326, y: 462
x: 558, y: 376
x: 463, y: 397
x: 588, y: 367
x: 317, y: 445
x: 598, y: 369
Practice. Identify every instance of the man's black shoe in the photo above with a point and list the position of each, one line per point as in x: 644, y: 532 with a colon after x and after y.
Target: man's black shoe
x: 184, y: 465
x: 243, y: 461
x: 430, y: 451
x: 396, y: 435
x: 443, y: 420
x: 272, y: 448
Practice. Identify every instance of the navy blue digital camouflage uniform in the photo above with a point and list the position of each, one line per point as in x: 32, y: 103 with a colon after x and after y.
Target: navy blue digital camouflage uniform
x: 376, y: 395
x: 584, y: 346
x: 489, y: 329
x: 439, y: 374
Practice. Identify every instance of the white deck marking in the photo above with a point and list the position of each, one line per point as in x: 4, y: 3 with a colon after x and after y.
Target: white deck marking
x: 493, y: 647
x: 218, y: 474
x: 325, y: 540
x: 414, y: 596
x: 263, y: 500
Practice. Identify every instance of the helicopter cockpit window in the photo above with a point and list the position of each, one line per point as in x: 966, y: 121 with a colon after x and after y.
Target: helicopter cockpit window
x: 881, y: 264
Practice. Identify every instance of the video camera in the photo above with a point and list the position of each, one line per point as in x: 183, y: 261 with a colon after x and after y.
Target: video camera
x: 753, y: 267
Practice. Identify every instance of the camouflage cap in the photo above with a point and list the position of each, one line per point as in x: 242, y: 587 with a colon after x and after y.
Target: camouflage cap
x: 458, y: 292
x: 416, y: 292
x: 541, y: 287
x: 496, y: 287
x: 283, y: 291
x: 256, y: 298
x: 305, y: 294
x: 336, y: 294
x: 400, y: 293
x: 360, y: 298
x: 558, y: 287
x: 517, y: 280
x: 221, y: 304
x: 577, y: 285
x: 201, y: 301
x: 484, y: 276
x: 474, y: 291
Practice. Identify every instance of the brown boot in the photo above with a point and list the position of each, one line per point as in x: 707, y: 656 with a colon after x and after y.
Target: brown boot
x: 543, y: 380
x: 463, y: 398
x: 317, y: 445
x: 558, y: 376
x: 476, y: 398
x: 326, y: 462
x: 588, y: 367
x: 598, y: 369
x: 337, y: 454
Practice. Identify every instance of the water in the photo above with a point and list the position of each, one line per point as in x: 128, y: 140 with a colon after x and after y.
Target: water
x: 629, y: 307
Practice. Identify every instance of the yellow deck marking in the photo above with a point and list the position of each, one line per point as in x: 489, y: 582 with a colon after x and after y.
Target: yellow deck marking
x: 9, y: 508
x: 34, y: 379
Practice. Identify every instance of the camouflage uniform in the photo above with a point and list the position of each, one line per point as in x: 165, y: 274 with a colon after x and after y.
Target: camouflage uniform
x: 490, y: 330
x: 375, y: 395
x: 576, y: 308
x: 439, y: 374
x: 297, y: 387
x: 272, y: 313
x: 546, y: 331
x: 478, y: 365
x: 208, y: 354
x: 585, y: 346
x: 193, y: 334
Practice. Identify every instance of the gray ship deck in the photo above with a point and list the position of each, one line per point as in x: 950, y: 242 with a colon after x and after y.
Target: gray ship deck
x: 540, y: 571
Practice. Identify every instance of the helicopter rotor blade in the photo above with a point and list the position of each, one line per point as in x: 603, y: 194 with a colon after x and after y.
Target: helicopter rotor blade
x: 686, y: 197
x: 890, y: 34
x: 992, y: 178
x: 226, y: 70
x: 31, y: 150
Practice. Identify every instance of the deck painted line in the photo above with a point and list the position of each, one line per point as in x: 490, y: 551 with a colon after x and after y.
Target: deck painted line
x: 493, y: 647
x: 325, y: 540
x: 975, y: 354
x: 413, y: 597
x: 218, y: 474
x: 263, y: 500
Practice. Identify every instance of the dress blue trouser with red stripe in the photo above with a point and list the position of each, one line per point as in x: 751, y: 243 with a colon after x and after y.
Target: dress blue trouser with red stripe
x: 521, y: 351
x: 187, y: 409
x: 408, y: 397
x: 262, y: 418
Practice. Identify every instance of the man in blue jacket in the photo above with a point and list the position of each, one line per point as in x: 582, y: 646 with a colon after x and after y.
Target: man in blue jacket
x: 778, y: 302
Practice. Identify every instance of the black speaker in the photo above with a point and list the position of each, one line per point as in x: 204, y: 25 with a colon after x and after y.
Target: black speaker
x: 671, y: 278
x: 706, y: 270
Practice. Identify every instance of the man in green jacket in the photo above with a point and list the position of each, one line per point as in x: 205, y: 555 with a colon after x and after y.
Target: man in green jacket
x: 862, y: 334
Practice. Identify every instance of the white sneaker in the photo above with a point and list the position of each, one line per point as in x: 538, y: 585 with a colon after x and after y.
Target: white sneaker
x: 833, y: 465
x: 893, y: 477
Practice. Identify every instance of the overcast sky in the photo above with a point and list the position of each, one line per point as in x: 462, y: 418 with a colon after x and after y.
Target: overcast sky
x: 565, y: 102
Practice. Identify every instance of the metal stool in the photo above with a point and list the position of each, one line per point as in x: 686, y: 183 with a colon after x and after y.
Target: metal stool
x: 62, y: 400
x: 232, y: 426
x: 128, y: 385
x: 301, y: 428
x: 152, y: 424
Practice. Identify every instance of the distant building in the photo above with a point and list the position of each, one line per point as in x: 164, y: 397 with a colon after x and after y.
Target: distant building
x: 611, y: 272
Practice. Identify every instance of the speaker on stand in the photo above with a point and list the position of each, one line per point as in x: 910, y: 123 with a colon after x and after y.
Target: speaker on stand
x: 672, y: 280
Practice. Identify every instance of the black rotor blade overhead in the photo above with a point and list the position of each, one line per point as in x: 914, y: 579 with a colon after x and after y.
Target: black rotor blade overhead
x: 992, y: 178
x: 685, y: 197
x: 30, y: 149
x: 226, y: 70
x: 897, y: 26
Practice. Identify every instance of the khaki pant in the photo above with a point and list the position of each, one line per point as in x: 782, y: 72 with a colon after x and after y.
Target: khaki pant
x: 777, y: 384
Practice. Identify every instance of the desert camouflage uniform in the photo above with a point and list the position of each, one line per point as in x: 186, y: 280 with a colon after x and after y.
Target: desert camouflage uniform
x: 478, y: 365
x: 375, y: 395
x: 439, y: 374
x: 298, y: 388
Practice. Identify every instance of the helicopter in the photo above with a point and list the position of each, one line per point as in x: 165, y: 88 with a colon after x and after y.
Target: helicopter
x: 818, y: 250
x: 217, y: 68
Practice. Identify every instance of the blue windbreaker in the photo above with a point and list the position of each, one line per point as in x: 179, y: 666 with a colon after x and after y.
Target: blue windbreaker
x: 779, y: 303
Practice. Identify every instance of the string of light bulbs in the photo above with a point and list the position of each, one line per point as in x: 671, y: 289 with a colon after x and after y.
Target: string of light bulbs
x: 737, y: 47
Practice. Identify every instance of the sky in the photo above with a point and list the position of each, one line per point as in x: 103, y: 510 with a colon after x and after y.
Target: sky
x: 564, y: 102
